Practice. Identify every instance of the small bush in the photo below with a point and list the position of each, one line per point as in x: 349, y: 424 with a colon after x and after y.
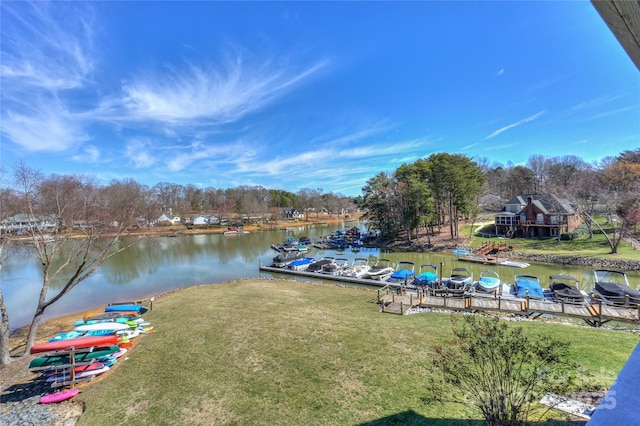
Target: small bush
x: 576, y: 233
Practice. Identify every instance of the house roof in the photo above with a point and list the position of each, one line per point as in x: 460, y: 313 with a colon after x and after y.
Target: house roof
x: 547, y: 203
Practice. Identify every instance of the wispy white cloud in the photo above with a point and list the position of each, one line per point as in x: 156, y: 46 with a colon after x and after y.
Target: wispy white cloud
x: 46, y: 52
x: 45, y: 127
x: 591, y: 103
x: 47, y: 44
x: 139, y: 153
x: 516, y: 124
x: 199, y: 94
x: 211, y: 154
x: 609, y: 113
x: 89, y: 154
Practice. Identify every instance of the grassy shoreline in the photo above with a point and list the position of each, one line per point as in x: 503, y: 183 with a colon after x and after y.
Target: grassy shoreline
x: 275, y: 351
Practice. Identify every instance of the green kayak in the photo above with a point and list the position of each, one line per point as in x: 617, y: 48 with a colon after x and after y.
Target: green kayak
x: 58, y: 360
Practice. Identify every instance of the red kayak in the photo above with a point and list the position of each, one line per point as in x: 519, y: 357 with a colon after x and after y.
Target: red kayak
x: 78, y: 343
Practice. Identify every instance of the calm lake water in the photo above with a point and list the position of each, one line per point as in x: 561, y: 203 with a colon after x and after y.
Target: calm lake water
x: 162, y: 264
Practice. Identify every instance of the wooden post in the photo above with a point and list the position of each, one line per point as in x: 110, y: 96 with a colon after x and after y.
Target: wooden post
x: 72, y: 370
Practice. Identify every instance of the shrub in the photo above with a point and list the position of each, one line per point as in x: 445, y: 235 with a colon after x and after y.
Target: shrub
x: 500, y: 370
x: 576, y: 233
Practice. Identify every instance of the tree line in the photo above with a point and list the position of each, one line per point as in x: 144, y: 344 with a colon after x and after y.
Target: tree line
x: 442, y: 189
x: 434, y: 192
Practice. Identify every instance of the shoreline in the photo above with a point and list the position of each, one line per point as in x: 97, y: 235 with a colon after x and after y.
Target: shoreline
x: 23, y: 406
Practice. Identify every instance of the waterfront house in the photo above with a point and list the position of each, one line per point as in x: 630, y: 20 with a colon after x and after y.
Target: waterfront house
x: 23, y: 222
x: 168, y: 217
x: 536, y: 216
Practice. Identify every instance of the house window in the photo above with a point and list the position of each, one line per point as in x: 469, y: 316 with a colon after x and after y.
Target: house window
x: 523, y: 218
x: 553, y: 232
x: 555, y: 220
x: 540, y: 219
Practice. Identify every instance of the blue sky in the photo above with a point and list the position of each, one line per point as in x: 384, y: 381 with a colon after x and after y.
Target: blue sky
x: 292, y: 95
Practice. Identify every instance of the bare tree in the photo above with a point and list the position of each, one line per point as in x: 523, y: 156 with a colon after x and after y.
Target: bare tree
x: 621, y: 180
x: 61, y: 207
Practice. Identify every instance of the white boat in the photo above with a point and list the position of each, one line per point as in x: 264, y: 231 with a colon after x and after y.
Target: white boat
x: 318, y: 264
x: 381, y: 270
x: 489, y: 281
x: 235, y: 231
x: 358, y: 269
x: 283, y: 259
x: 460, y: 278
x: 301, y: 264
x: 334, y: 268
x: 514, y: 264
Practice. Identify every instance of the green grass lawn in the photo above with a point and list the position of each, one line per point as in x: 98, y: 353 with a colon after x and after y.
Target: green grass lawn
x: 596, y: 247
x: 264, y: 352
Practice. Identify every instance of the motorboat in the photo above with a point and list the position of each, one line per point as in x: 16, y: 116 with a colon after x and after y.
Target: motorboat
x: 566, y: 288
x: 404, y: 273
x: 528, y: 285
x: 289, y: 244
x: 235, y: 231
x: 301, y: 264
x: 459, y: 279
x: 427, y: 275
x: 613, y: 287
x: 318, y: 264
x: 489, y: 281
x: 358, y: 269
x: 285, y: 258
x: 335, y: 267
x: 381, y: 270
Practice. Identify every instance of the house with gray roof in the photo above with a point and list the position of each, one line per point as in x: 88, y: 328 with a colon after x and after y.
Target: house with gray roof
x: 536, y: 216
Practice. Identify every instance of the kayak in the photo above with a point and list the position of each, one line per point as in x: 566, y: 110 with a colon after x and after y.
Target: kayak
x: 88, y: 373
x: 104, y: 326
x: 138, y: 309
x: 108, y: 317
x: 87, y: 330
x: 77, y: 343
x: 58, y: 360
x: 52, y: 398
x: 53, y: 371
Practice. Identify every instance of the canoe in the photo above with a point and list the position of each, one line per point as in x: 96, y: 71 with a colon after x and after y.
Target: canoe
x: 138, y: 309
x: 77, y: 343
x: 52, y: 398
x: 59, y: 360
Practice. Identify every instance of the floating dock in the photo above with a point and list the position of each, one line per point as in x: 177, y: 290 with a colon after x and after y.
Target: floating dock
x: 399, y: 298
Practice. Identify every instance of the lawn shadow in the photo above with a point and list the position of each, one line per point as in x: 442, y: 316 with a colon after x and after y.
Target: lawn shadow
x: 411, y: 418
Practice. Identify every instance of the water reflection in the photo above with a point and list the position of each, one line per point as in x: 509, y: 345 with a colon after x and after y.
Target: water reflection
x: 161, y: 264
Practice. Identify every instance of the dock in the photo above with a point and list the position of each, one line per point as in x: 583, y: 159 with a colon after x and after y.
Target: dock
x: 400, y: 298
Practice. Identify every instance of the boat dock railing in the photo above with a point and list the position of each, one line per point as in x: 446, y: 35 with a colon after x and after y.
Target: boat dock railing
x: 399, y: 298
x: 594, y: 312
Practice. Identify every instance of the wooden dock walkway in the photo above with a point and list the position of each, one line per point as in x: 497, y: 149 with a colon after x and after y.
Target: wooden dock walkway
x: 398, y: 298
